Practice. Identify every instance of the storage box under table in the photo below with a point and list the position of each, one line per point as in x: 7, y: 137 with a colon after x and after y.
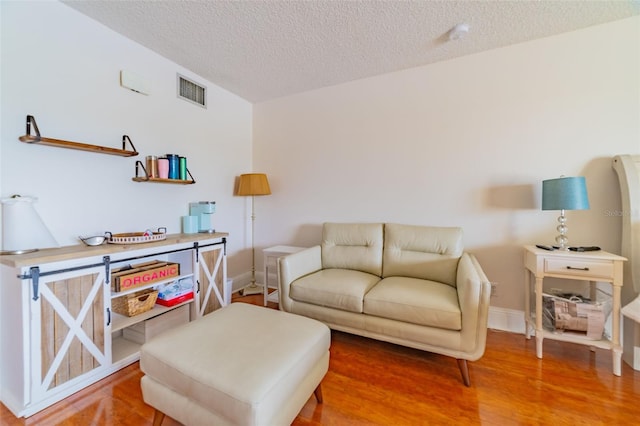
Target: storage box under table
x: 145, y: 330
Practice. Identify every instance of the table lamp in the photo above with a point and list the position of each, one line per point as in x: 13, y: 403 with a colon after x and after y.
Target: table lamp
x: 253, y: 184
x: 564, y: 193
x: 22, y: 228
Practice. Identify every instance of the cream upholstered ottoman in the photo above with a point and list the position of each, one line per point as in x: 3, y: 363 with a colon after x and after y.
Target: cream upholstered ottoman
x: 241, y: 365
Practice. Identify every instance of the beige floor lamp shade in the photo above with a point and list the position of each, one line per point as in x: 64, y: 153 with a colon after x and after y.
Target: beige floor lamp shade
x: 252, y: 184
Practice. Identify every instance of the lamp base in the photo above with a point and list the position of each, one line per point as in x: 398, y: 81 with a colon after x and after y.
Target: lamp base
x: 252, y: 289
x: 10, y: 252
x: 562, y: 240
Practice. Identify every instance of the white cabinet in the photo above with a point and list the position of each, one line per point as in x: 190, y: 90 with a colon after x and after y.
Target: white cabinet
x: 58, y: 332
x: 595, y: 266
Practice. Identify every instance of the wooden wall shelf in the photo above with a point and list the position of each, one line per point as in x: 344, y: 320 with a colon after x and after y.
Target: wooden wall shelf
x: 158, y: 180
x: 37, y: 139
x: 146, y: 178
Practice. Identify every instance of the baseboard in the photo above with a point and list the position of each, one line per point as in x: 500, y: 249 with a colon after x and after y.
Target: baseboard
x: 243, y: 280
x: 503, y: 319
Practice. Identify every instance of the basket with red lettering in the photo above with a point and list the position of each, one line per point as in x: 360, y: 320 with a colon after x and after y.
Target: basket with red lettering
x: 129, y: 277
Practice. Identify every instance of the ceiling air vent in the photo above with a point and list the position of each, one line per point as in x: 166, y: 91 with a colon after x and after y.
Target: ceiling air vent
x: 191, y: 91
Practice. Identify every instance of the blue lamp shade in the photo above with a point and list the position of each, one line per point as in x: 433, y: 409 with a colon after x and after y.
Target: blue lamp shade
x: 565, y: 193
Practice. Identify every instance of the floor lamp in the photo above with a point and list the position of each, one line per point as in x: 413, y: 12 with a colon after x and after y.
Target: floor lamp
x: 253, y: 184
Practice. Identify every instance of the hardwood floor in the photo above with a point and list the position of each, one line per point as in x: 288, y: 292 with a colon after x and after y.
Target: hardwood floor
x: 375, y: 383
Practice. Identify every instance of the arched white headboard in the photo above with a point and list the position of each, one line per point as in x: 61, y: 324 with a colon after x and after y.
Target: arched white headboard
x: 628, y: 169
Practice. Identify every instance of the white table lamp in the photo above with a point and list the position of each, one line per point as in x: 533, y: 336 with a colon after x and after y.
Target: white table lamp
x: 22, y: 228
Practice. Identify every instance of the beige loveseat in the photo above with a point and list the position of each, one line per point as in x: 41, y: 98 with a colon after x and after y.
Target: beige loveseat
x: 404, y: 284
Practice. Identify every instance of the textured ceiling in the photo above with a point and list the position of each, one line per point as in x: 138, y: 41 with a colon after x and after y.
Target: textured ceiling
x: 266, y: 49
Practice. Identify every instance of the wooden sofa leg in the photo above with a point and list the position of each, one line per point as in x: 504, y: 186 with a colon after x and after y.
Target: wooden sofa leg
x: 318, y: 393
x: 464, y: 370
x: 158, y: 417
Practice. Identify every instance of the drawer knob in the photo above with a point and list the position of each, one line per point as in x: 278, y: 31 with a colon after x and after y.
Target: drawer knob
x: 577, y: 269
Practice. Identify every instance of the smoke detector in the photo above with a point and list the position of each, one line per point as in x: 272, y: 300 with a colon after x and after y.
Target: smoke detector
x: 459, y: 31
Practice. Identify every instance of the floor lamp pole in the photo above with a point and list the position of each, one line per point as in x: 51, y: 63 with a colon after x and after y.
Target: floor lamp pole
x: 252, y: 288
x: 253, y: 233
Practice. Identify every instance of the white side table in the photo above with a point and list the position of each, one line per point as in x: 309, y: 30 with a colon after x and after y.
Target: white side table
x: 594, y: 266
x: 271, y: 256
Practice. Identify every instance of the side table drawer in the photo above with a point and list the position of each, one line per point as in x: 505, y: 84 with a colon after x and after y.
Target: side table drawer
x: 579, y: 267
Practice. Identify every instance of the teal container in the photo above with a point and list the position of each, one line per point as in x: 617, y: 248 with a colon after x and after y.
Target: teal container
x: 183, y: 168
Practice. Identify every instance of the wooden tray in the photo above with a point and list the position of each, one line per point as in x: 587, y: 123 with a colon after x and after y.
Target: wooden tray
x: 136, y: 237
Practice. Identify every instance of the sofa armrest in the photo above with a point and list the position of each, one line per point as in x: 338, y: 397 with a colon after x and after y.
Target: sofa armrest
x: 474, y: 293
x: 294, y: 266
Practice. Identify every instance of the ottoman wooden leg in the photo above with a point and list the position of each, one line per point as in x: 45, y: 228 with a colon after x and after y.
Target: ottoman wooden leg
x: 318, y: 393
x: 158, y: 417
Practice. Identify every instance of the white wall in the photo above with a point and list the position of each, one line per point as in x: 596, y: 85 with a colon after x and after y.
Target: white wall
x: 465, y: 143
x: 63, y: 68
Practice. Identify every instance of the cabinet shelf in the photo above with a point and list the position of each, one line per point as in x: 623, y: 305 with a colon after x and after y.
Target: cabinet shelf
x: 124, y: 351
x: 122, y: 321
x: 38, y: 139
x: 578, y: 338
x: 570, y: 336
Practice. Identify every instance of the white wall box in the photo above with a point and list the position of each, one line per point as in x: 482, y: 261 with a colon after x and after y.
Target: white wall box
x: 58, y: 333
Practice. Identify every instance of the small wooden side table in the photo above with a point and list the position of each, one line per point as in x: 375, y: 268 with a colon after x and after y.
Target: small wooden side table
x: 271, y: 256
x: 593, y: 266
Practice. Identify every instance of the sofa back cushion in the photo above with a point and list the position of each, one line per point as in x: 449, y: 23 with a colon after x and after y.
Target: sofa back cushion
x: 356, y: 246
x: 425, y: 252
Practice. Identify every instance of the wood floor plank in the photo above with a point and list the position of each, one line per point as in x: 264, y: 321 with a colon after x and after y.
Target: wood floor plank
x: 376, y: 383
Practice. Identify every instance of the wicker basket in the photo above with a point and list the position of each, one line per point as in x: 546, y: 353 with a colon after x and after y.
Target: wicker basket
x: 135, y: 303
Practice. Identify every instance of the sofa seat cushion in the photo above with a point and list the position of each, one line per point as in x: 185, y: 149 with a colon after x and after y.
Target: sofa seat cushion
x: 334, y: 288
x: 416, y: 301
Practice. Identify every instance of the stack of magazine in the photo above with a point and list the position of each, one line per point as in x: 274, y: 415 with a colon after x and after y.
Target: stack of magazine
x: 175, y: 292
x: 572, y: 312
